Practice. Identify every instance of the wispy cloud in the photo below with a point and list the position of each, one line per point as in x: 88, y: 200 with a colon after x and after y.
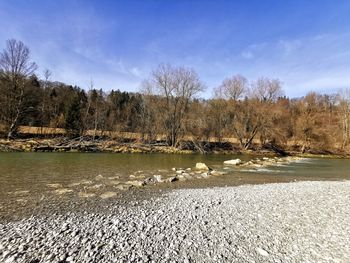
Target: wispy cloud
x: 71, y: 45
x: 288, y: 46
x: 247, y: 54
x: 319, y: 63
x: 117, y: 44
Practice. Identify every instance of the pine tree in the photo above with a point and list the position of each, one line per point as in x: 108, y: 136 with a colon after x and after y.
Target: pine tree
x: 73, y: 118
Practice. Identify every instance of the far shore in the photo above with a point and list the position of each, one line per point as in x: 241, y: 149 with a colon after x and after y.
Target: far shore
x: 106, y: 145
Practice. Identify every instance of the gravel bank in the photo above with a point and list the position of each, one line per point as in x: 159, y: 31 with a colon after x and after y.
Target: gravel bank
x: 294, y: 222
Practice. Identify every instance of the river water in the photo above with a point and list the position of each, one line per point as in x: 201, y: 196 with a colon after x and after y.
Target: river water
x: 29, y: 179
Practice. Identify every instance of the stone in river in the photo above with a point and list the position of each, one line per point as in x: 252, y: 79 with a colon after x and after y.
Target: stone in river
x: 108, y: 195
x: 202, y: 166
x: 136, y: 183
x: 158, y: 178
x: 233, y: 162
x: 63, y: 191
x: 217, y: 173
x: 85, y: 195
x: 171, y: 179
x: 123, y: 187
x: 114, y: 182
x: 205, y: 175
x: 99, y: 177
x: 149, y: 180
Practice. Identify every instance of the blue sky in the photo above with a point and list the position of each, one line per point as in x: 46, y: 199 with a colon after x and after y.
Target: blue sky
x: 306, y: 44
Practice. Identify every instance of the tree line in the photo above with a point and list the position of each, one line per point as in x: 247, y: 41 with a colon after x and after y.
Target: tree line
x: 168, y: 104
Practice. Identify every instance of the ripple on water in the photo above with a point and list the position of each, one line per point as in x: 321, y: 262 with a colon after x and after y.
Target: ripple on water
x: 113, y: 182
x: 54, y: 185
x: 96, y: 186
x: 108, y: 195
x: 86, y: 195
x: 74, y: 184
x: 122, y: 187
x: 62, y: 191
x: 19, y: 192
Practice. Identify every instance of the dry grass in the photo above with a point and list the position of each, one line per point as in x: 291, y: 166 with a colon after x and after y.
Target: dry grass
x: 113, y: 135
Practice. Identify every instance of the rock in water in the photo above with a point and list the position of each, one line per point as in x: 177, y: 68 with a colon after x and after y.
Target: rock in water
x: 108, y: 195
x: 63, y: 191
x: 217, y: 173
x: 202, y: 166
x: 205, y: 175
x: 233, y: 162
x: 99, y: 177
x: 136, y: 183
x: 158, y: 178
x: 171, y: 179
x: 85, y: 195
x: 149, y: 180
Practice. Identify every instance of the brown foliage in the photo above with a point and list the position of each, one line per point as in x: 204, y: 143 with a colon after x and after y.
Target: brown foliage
x: 168, y: 109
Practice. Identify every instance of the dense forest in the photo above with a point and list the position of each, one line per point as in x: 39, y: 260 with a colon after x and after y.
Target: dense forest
x: 168, y: 105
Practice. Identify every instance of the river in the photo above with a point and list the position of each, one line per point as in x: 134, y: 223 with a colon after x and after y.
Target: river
x: 29, y: 180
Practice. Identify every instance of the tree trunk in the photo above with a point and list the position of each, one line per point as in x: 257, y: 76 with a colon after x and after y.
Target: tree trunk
x: 13, y: 125
x: 250, y: 140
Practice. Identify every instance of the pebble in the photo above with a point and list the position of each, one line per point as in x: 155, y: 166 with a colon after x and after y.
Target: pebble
x: 293, y: 222
x: 262, y: 252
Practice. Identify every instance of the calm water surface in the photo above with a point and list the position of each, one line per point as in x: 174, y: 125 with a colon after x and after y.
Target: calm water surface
x: 28, y: 178
x: 22, y: 170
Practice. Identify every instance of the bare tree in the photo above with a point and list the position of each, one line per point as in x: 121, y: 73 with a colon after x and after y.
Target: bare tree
x: 176, y: 86
x: 45, y: 98
x: 267, y: 89
x: 15, y: 68
x: 233, y: 88
x: 88, y: 108
x: 47, y: 76
x: 218, y: 117
x: 97, y: 98
x: 344, y: 110
x: 95, y: 113
x: 240, y: 115
x: 245, y: 122
x: 148, y: 112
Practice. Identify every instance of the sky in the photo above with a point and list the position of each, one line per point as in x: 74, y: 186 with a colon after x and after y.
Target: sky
x: 117, y: 44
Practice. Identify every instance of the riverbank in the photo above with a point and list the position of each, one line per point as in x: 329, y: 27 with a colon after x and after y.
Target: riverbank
x: 294, y: 222
x: 62, y: 144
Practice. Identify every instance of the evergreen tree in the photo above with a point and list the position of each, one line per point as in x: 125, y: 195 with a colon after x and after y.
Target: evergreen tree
x: 73, y: 118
